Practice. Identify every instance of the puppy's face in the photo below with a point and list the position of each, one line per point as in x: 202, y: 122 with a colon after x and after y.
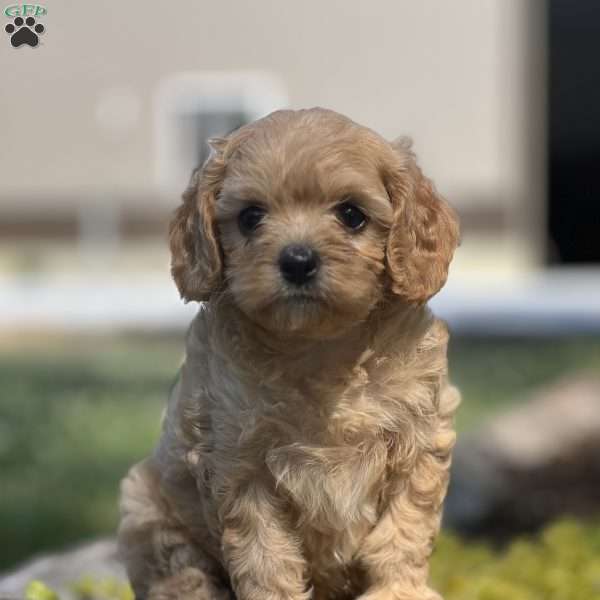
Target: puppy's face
x: 307, y: 220
x: 303, y: 219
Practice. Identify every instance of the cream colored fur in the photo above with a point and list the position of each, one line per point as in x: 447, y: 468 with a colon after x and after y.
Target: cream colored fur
x: 306, y: 445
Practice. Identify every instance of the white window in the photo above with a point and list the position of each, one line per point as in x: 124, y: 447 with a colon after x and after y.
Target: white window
x: 191, y: 107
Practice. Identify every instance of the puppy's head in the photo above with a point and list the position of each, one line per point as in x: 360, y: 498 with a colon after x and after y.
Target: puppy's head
x: 308, y: 221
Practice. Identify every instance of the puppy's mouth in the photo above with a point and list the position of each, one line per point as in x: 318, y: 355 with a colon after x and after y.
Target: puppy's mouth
x: 302, y: 296
x: 298, y: 300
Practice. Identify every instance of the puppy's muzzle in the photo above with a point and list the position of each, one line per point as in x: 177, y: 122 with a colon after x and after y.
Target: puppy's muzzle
x: 298, y: 263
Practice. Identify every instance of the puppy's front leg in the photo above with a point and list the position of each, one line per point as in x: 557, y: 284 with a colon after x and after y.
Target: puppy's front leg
x: 397, y: 551
x: 261, y: 551
x: 162, y: 561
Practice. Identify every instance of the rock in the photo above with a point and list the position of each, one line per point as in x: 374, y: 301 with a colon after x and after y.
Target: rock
x: 59, y: 571
x: 534, y: 463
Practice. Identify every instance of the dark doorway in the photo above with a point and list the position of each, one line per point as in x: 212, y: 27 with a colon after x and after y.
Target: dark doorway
x: 574, y: 131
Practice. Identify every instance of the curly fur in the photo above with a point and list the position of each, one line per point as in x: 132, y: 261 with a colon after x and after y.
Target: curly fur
x: 306, y: 445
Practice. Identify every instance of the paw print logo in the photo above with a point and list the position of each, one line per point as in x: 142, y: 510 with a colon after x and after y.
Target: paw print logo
x: 24, y: 32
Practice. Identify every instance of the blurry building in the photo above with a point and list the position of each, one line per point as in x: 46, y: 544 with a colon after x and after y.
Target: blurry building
x: 110, y: 118
x: 103, y: 123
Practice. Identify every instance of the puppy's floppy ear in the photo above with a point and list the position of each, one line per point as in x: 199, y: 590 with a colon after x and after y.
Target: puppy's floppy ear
x: 424, y: 232
x: 196, y: 256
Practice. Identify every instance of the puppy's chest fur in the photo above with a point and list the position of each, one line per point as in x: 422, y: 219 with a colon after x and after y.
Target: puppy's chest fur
x: 327, y: 442
x: 327, y: 456
x: 334, y: 482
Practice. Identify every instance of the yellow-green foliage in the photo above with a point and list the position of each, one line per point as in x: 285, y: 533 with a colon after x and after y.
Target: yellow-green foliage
x: 36, y: 590
x: 563, y: 563
x: 89, y: 588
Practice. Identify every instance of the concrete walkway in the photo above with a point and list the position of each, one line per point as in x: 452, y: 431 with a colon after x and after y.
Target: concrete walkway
x: 548, y: 302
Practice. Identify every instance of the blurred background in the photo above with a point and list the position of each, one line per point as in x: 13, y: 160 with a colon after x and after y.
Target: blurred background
x: 101, y: 125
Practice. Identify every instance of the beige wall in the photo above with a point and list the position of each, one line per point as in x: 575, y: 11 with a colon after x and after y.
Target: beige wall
x: 456, y: 76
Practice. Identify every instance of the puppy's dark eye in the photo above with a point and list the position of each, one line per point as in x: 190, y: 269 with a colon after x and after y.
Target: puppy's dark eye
x: 250, y: 218
x: 351, y: 216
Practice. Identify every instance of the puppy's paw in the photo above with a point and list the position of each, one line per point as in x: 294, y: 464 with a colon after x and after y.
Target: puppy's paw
x: 188, y: 584
x: 399, y: 593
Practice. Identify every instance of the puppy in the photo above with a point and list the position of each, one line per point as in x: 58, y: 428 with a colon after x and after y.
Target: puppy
x: 306, y: 445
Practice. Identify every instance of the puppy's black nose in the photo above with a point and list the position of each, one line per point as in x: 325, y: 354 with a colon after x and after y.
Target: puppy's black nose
x: 298, y: 263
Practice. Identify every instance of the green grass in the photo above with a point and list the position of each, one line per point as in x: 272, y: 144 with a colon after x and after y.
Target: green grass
x: 72, y: 420
x: 76, y: 413
x: 493, y: 373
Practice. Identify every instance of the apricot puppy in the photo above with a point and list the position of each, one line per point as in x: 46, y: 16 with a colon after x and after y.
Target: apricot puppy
x: 306, y: 445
